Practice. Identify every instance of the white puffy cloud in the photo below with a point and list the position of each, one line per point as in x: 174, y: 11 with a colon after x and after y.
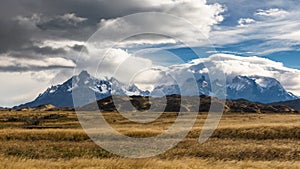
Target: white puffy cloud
x: 72, y: 18
x: 273, y: 12
x: 122, y: 65
x: 112, y: 62
x: 245, y: 21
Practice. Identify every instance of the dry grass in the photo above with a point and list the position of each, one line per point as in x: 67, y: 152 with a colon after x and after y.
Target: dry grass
x: 114, y: 163
x: 241, y: 141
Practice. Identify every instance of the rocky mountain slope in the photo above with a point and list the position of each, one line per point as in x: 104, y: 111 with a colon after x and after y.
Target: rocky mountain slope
x: 175, y: 103
x: 295, y: 104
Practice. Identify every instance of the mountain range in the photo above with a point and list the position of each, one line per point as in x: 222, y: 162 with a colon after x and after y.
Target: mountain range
x: 252, y: 88
x: 61, y: 95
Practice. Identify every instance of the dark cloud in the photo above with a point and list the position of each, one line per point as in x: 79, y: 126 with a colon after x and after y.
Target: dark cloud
x: 66, y: 21
x: 18, y: 68
x: 36, y: 52
x: 78, y: 48
x: 13, y: 36
x: 47, y: 50
x: 51, y: 24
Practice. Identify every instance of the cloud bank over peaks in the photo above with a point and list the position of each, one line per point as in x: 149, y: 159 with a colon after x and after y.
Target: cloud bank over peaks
x: 232, y: 65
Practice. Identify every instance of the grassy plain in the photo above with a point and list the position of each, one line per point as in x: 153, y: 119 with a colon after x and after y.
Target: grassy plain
x: 40, y: 139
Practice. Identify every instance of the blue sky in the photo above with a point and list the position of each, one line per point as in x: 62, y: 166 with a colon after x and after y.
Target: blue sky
x: 237, y: 9
x: 265, y: 16
x: 268, y: 29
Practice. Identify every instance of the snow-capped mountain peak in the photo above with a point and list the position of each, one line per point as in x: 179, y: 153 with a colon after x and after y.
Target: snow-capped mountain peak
x: 258, y: 89
x: 61, y: 95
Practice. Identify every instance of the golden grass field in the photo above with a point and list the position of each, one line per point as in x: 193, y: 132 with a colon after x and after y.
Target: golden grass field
x: 37, y: 139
